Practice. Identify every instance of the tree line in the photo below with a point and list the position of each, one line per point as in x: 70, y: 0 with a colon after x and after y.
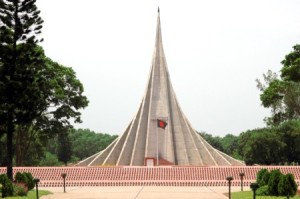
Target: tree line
x: 62, y: 149
x: 276, y: 145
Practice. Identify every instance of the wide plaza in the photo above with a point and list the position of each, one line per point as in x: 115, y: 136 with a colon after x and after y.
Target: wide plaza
x: 140, y: 192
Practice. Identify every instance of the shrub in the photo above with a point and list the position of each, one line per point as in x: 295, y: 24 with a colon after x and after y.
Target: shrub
x: 7, y: 186
x: 20, y: 177
x: 287, y: 185
x: 262, y: 191
x: 273, y: 182
x: 262, y: 177
x: 266, y: 178
x: 30, y: 183
x: 25, y: 178
x: 20, y: 190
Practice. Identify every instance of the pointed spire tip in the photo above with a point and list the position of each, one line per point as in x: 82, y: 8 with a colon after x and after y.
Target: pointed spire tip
x: 158, y: 9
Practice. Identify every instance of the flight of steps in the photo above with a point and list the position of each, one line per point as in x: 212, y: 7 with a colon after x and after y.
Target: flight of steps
x: 148, y: 176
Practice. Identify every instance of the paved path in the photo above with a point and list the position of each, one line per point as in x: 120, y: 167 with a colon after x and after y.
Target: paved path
x: 138, y: 192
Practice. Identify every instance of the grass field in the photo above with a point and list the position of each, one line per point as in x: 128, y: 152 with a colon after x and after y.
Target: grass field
x: 249, y: 195
x: 31, y: 195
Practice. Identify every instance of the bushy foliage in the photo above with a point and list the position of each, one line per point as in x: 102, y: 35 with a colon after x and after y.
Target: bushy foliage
x: 265, y: 146
x: 50, y: 160
x: 215, y: 141
x: 25, y: 178
x: 273, y: 182
x: 20, y: 190
x: 262, y: 177
x: 7, y: 186
x: 287, y: 185
x: 30, y: 183
x: 19, y: 177
x: 281, y: 95
x: 262, y: 191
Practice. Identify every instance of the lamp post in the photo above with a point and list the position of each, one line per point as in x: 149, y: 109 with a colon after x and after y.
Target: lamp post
x: 254, y: 187
x: 229, y: 179
x: 64, y: 175
x: 36, y: 181
x: 242, y: 178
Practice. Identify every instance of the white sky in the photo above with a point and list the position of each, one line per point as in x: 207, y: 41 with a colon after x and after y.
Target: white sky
x: 215, y: 50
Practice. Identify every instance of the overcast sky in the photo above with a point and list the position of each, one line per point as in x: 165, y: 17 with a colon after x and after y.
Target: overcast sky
x: 215, y: 50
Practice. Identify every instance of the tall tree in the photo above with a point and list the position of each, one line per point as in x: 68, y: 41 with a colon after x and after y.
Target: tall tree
x: 289, y: 133
x: 291, y: 65
x: 282, y: 95
x: 64, y: 150
x: 261, y: 146
x: 21, y: 100
x: 35, y: 92
x: 64, y: 98
x: 30, y: 145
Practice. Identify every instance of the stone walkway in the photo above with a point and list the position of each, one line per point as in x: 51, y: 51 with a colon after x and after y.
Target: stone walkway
x: 138, y: 192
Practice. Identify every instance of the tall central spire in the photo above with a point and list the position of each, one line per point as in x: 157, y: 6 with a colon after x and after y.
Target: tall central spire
x: 160, y: 130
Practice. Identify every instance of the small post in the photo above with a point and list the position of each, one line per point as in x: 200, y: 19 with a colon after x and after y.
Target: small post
x: 229, y: 179
x: 242, y: 178
x: 254, y: 187
x: 64, y: 175
x: 36, y: 181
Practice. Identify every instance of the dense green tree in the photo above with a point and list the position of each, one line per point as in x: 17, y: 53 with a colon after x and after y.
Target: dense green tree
x: 229, y: 144
x: 65, y: 98
x: 262, y: 177
x: 34, y: 90
x: 86, y: 142
x: 30, y: 145
x: 49, y: 159
x: 7, y: 188
x: 287, y: 185
x: 20, y: 61
x: 64, y: 149
x: 291, y: 65
x: 289, y: 133
x: 83, y: 142
x: 282, y: 95
x: 3, y: 151
x: 274, y: 179
x: 272, y: 97
x: 214, y: 141
x: 261, y: 146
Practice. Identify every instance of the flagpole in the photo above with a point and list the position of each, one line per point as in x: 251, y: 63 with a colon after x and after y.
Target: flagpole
x: 166, y: 137
x: 157, y: 147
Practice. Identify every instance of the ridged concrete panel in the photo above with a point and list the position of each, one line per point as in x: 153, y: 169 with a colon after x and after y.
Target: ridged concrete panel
x: 113, y: 156
x: 140, y: 139
x: 126, y: 152
x: 177, y: 144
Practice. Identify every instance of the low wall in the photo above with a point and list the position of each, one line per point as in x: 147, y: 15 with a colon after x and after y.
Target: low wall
x: 149, y: 176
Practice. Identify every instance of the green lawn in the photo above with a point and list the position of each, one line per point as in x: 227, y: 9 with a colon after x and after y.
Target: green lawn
x: 249, y: 195
x: 31, y: 195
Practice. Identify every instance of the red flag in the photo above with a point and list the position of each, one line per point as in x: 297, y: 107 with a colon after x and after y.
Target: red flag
x: 161, y: 124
